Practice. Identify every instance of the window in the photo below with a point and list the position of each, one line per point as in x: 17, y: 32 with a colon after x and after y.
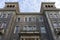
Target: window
x: 18, y: 19
x: 29, y: 19
x: 59, y: 23
x: 13, y: 6
x: 50, y: 15
x: 43, y: 30
x: 29, y: 28
x: 0, y: 37
x: 5, y: 15
x: 45, y: 5
x: 33, y: 19
x: 41, y: 19
x: 7, y: 5
x: 17, y: 29
x: 55, y: 25
x: 34, y: 27
x: 48, y: 5
x: 51, y: 5
x: 0, y: 15
x: 10, y: 5
x: 25, y: 28
x: 55, y: 15
x: 25, y: 19
x: 3, y: 25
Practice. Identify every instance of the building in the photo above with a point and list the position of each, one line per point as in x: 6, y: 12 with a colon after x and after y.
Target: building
x: 16, y: 25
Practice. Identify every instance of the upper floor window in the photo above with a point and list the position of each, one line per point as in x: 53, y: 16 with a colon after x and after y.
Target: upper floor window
x: 55, y: 24
x: 0, y: 15
x: 34, y: 28
x: 43, y: 30
x: 40, y: 19
x: 5, y: 15
x: 17, y: 29
x: 30, y: 19
x: 3, y: 25
x: 18, y: 19
x: 25, y: 28
x: 55, y: 15
x: 25, y: 19
x: 34, y: 19
x: 29, y: 28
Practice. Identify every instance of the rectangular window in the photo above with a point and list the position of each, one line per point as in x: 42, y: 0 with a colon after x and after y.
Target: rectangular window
x: 34, y: 27
x: 55, y: 15
x: 40, y: 19
x: 25, y: 28
x: 3, y: 25
x: 43, y: 30
x: 0, y: 15
x: 17, y: 29
x: 50, y: 15
x: 55, y: 24
x: 33, y: 19
x: 29, y: 19
x: 29, y: 28
x: 25, y: 19
x: 5, y: 15
x: 18, y: 19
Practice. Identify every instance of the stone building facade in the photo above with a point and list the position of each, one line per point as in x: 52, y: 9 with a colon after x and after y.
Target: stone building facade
x: 43, y: 25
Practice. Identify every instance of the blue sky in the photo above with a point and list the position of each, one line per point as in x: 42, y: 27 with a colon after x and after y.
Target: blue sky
x: 29, y: 5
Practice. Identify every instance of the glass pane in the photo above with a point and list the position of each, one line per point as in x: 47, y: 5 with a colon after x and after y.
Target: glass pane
x: 26, y: 19
x: 17, y: 29
x: 43, y: 30
x: 29, y: 18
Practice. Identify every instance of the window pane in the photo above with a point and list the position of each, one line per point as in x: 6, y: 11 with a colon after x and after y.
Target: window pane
x: 43, y: 30
x: 33, y: 19
x: 5, y: 15
x: 18, y: 19
x: 34, y: 27
x: 29, y: 18
x: 26, y: 19
x: 40, y: 19
x: 17, y: 29
x: 25, y: 28
x: 0, y: 14
x: 50, y: 15
x: 29, y: 27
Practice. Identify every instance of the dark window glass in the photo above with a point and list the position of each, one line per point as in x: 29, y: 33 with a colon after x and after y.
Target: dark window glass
x: 29, y: 18
x: 13, y: 6
x: 7, y: 5
x: 18, y: 19
x: 26, y: 19
x: 17, y: 29
x: 48, y: 5
x: 45, y: 5
x: 43, y: 30
x: 51, y: 5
